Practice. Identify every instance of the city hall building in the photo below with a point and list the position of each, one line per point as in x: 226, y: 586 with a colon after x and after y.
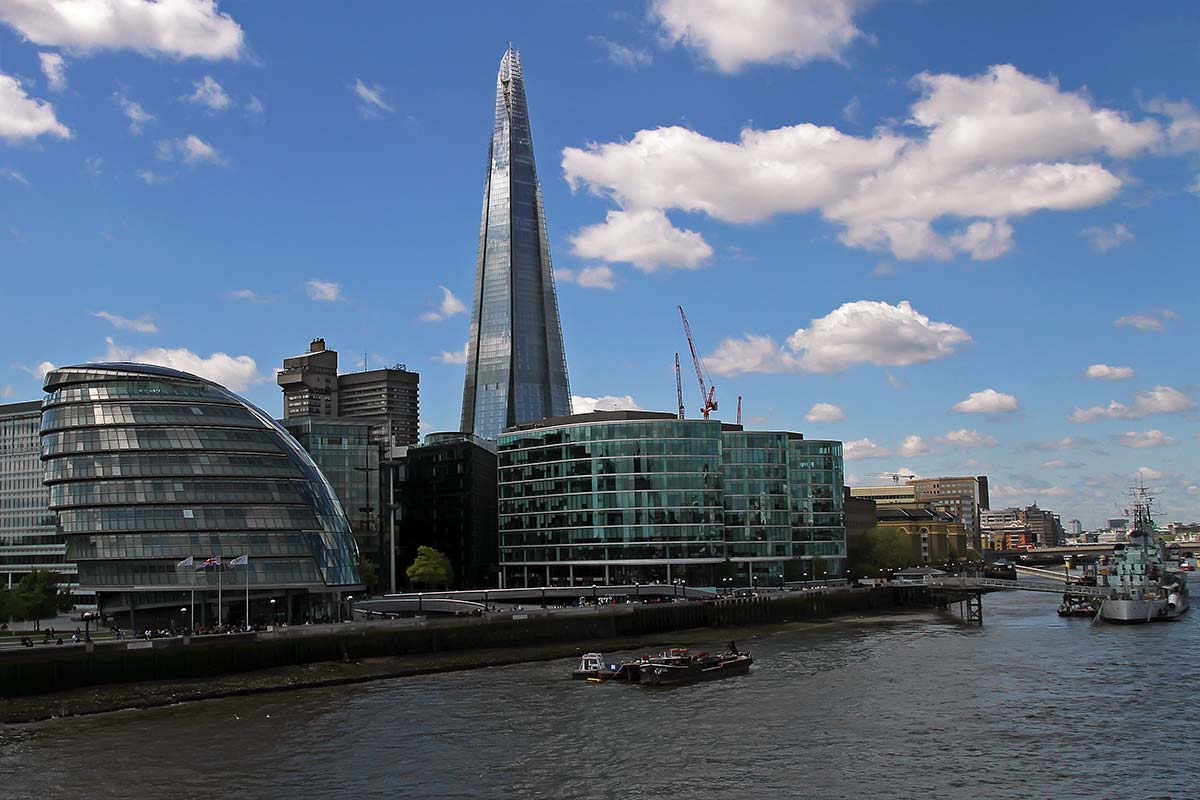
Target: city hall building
x: 147, y: 466
x: 645, y: 497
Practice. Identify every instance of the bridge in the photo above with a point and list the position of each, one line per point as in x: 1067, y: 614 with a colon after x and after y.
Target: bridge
x: 968, y: 591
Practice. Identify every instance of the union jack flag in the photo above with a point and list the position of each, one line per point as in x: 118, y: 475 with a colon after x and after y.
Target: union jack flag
x: 215, y: 561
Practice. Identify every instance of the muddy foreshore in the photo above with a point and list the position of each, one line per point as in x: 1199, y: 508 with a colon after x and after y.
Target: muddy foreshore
x: 151, y: 694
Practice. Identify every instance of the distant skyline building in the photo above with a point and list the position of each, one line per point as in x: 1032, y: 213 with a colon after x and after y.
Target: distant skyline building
x: 388, y: 399
x: 516, y: 365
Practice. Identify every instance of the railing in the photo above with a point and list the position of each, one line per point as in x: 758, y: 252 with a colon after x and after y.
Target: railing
x: 1025, y: 586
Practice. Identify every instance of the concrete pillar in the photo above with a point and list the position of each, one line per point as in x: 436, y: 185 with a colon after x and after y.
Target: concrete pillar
x: 287, y: 599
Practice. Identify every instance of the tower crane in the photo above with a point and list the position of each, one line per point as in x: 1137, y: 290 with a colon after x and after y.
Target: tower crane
x: 708, y: 392
x: 895, y: 476
x: 678, y: 387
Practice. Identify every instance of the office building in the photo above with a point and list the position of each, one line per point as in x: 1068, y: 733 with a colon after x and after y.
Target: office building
x: 860, y: 518
x: 637, y: 496
x: 445, y: 498
x: 148, y: 466
x: 389, y: 399
x: 29, y: 537
x: 516, y: 366
x: 964, y: 497
x: 349, y: 459
x: 936, y: 535
x: 1075, y: 528
x: 889, y: 495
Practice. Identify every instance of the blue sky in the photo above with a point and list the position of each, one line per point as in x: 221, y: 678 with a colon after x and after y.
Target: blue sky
x: 889, y: 208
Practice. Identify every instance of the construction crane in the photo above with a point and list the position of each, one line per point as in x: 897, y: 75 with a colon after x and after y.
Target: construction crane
x: 895, y: 476
x: 708, y: 392
x: 678, y: 387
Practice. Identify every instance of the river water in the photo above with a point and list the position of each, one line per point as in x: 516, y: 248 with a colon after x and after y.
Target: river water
x: 1029, y: 706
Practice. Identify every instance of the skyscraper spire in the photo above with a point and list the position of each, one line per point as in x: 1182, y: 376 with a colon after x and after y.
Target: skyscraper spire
x: 516, y: 366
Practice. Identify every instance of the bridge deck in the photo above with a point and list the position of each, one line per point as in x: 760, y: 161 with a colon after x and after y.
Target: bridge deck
x: 971, y: 583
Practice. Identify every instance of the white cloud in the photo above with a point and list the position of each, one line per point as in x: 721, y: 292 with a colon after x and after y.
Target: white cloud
x: 1159, y: 400
x: 622, y: 55
x: 732, y: 34
x: 864, y: 448
x: 600, y: 277
x: 325, y: 291
x: 968, y: 439
x: 210, y: 94
x: 23, y: 118
x: 55, y: 70
x: 1149, y: 474
x: 1104, y: 239
x: 39, y: 371
x: 893, y: 381
x: 1029, y: 493
x: 142, y: 325
x: 914, y: 445
x: 450, y: 306
x: 1061, y: 463
x: 190, y: 149
x: 1183, y: 130
x: 179, y: 28
x: 644, y: 238
x: 137, y: 115
x: 255, y: 106
x: 1107, y: 373
x: 7, y: 391
x: 586, y: 405
x: 990, y: 148
x: 455, y: 357
x: 248, y: 295
x: 153, y: 178
x: 1065, y: 443
x: 988, y: 401
x: 236, y: 373
x: 13, y: 175
x: 825, y: 412
x: 1150, y: 438
x: 371, y: 103
x: 1154, y: 320
x: 861, y: 332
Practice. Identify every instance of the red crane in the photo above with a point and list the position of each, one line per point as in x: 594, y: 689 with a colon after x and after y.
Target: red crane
x: 678, y: 387
x: 708, y: 393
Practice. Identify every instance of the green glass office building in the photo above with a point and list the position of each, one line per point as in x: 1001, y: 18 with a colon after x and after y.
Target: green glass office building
x: 635, y: 496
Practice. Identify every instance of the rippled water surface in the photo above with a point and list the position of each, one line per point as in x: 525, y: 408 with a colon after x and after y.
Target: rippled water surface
x: 1028, y: 706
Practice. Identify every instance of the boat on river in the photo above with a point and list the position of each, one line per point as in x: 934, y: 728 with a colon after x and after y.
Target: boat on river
x: 672, y: 667
x: 1142, y: 588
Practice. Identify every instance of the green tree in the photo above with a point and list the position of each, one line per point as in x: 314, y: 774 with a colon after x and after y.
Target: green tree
x: 36, y: 597
x: 883, y: 550
x: 368, y: 572
x: 430, y: 568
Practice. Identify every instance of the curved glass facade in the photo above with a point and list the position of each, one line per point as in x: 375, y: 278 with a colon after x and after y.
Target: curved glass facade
x: 147, y: 466
x: 638, y: 496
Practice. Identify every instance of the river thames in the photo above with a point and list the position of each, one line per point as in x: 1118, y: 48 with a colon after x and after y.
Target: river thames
x: 1029, y: 706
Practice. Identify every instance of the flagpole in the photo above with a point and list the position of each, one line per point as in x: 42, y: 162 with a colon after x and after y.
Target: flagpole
x: 192, y: 606
x: 246, y: 577
x: 220, y: 568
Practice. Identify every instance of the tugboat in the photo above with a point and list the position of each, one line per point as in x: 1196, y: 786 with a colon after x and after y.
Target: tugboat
x: 1142, y: 588
x: 676, y: 667
x: 596, y: 668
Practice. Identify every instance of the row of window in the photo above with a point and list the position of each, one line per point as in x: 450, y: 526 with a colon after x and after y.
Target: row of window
x: 259, y: 572
x: 129, y: 390
x: 147, y: 414
x: 648, y: 429
x: 154, y: 464
x: 107, y: 439
x: 597, y: 501
x: 180, y: 545
x: 616, y: 552
x: 649, y: 465
x: 613, y: 449
x: 152, y: 518
x: 611, y: 483
x: 582, y: 519
x: 141, y: 492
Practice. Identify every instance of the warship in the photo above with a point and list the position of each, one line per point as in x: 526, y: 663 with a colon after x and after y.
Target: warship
x: 1142, y: 588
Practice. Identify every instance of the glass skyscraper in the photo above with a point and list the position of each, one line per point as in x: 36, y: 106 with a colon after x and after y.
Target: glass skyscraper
x: 516, y: 366
x: 147, y: 466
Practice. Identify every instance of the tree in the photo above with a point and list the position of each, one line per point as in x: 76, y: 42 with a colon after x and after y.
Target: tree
x: 430, y: 568
x: 368, y: 573
x: 883, y: 550
x: 36, y: 597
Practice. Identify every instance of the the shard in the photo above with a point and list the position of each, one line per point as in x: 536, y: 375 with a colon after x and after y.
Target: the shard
x: 516, y: 367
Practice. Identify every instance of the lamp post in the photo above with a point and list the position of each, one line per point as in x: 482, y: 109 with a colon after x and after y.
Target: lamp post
x: 350, y: 606
x: 183, y: 611
x: 273, y: 617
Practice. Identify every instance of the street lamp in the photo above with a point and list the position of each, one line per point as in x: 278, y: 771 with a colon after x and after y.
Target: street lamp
x: 637, y: 591
x: 273, y: 618
x: 183, y: 611
x: 350, y: 606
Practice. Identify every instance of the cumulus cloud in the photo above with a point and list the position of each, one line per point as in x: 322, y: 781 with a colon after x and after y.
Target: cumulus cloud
x: 324, y: 291
x: 450, y: 306
x: 1150, y: 438
x: 1159, y: 400
x: 863, y: 448
x: 644, y: 238
x: 13, y: 175
x: 990, y: 148
x: 370, y: 99
x: 1107, y: 373
x: 1065, y: 443
x: 38, y: 371
x: 142, y: 325
x: 1155, y: 320
x: 1104, y: 239
x: 137, y: 115
x: 55, y: 69
x: 622, y: 55
x: 861, y: 332
x: 914, y: 445
x: 178, y: 28
x: 600, y: 277
x: 732, y: 34
x: 23, y: 118
x: 967, y: 439
x: 210, y: 94
x: 249, y: 295
x: 1183, y: 128
x: 152, y: 178
x: 1061, y: 463
x: 452, y: 357
x: 237, y: 373
x: 586, y: 405
x: 988, y: 401
x: 190, y: 150
x: 255, y: 107
x: 825, y: 412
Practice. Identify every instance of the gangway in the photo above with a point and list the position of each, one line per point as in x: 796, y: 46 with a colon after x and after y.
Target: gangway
x: 969, y: 583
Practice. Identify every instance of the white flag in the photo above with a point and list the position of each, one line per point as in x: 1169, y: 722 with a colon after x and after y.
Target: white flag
x: 243, y: 561
x: 187, y: 562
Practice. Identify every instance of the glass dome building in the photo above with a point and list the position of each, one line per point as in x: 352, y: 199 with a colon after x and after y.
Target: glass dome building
x: 148, y: 466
